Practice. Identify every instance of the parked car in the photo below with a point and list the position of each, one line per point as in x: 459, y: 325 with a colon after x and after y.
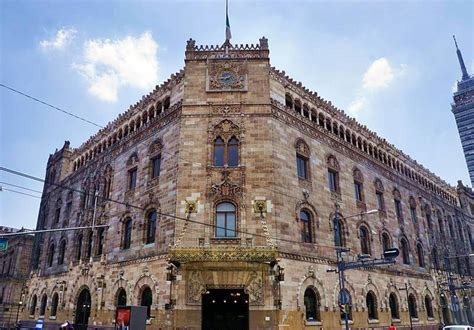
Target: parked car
x: 458, y: 327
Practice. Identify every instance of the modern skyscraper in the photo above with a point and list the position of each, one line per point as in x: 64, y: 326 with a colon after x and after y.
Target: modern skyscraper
x: 463, y: 109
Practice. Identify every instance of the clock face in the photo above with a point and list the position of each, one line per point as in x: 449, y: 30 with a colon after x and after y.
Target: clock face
x: 227, y: 78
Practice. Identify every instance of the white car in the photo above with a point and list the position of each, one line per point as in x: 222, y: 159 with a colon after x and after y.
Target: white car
x: 458, y: 327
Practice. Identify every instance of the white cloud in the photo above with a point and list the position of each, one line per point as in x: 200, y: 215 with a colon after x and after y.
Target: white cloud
x: 378, y: 75
x: 357, y: 106
x: 60, y: 41
x: 111, y: 64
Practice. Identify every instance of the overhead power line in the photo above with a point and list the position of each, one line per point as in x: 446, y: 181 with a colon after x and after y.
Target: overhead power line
x: 49, y: 105
x: 18, y: 192
x: 21, y: 187
x: 158, y: 212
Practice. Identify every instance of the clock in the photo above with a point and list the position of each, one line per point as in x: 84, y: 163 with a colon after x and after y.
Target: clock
x: 227, y: 78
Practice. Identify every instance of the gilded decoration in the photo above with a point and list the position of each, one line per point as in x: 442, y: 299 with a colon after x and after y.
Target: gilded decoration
x: 223, y: 253
x: 227, y: 75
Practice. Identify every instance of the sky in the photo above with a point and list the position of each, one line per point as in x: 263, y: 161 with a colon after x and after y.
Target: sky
x: 390, y: 64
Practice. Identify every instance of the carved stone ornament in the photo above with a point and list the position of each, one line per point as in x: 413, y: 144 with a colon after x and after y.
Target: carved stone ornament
x: 155, y: 147
x: 195, y: 288
x: 226, y: 129
x: 226, y: 110
x: 357, y: 174
x: 226, y: 188
x: 378, y: 185
x: 133, y: 159
x: 255, y: 289
x: 226, y: 75
x: 302, y: 148
x: 333, y: 163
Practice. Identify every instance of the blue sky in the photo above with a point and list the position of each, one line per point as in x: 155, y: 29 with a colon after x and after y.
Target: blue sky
x: 392, y: 65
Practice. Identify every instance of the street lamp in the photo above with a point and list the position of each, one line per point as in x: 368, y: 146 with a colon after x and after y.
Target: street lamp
x: 408, y: 303
x: 343, y: 299
x: 18, y: 311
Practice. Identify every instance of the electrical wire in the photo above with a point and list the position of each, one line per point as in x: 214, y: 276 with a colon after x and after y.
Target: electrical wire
x: 49, y: 105
x: 18, y: 192
x: 21, y: 187
x: 158, y: 212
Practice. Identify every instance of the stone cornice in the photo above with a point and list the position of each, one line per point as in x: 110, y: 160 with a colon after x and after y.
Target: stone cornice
x: 316, y: 131
x: 138, y: 107
x: 342, y: 117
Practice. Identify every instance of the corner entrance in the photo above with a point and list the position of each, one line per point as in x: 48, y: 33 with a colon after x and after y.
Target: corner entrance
x: 225, y: 309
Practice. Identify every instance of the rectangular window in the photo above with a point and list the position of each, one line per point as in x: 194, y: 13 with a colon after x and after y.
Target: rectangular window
x: 132, y: 178
x: 302, y: 166
x: 332, y: 178
x: 398, y: 209
x: 156, y: 166
x: 100, y: 243
x: 358, y: 191
x: 380, y: 203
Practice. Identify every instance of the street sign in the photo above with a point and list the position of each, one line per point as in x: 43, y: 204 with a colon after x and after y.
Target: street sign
x: 3, y: 244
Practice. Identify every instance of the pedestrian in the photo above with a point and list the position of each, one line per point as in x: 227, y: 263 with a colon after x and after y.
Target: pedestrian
x: 392, y: 327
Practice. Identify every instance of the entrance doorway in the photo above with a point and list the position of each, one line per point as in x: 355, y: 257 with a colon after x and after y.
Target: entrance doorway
x: 225, y: 309
x: 83, y: 310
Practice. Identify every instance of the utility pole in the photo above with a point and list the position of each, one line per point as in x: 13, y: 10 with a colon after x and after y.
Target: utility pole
x: 388, y: 258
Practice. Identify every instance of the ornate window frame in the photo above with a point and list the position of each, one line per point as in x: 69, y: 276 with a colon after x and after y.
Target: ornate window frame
x: 303, y: 156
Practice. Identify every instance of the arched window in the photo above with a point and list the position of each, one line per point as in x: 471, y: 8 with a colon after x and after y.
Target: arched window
x: 412, y: 306
x: 151, y: 226
x: 147, y: 300
x: 79, y: 248
x: 428, y: 218
x: 421, y: 258
x: 405, y: 251
x: 127, y: 234
x: 100, y: 241
x: 345, y: 299
x: 379, y: 194
x: 434, y: 254
x: 311, y: 304
x: 397, y: 200
x: 233, y: 152
x: 219, y: 150
x: 54, y: 304
x: 50, y: 255
x: 386, y: 244
x: 393, y: 303
x: 444, y: 308
x: 226, y: 152
x: 429, y: 307
x: 358, y: 186
x: 413, y: 215
x: 440, y: 223
x: 62, y: 251
x: 225, y: 220
x: 333, y: 174
x: 371, y: 302
x: 34, y: 300
x: 340, y: 237
x: 451, y: 229
x: 288, y: 101
x: 364, y: 240
x: 302, y: 159
x: 90, y: 238
x: 44, y: 300
x: 122, y: 297
x: 306, y: 232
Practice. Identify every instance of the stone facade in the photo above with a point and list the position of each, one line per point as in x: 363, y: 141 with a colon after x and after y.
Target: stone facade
x: 14, y: 271
x: 240, y: 142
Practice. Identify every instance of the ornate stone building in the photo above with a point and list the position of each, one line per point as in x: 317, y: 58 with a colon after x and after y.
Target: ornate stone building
x: 219, y: 190
x: 14, y: 271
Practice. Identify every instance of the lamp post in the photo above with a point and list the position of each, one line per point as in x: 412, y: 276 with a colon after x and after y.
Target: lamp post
x: 18, y: 311
x: 408, y: 303
x: 341, y: 264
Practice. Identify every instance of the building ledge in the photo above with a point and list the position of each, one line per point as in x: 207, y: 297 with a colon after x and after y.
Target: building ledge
x: 223, y: 253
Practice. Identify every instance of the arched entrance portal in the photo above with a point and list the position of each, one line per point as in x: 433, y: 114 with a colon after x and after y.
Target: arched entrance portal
x: 83, y: 310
